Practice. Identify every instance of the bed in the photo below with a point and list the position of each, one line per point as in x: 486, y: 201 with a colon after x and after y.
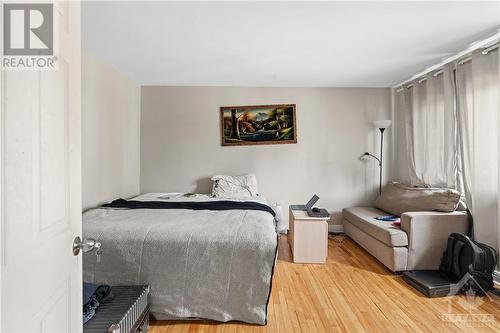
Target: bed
x: 211, y: 264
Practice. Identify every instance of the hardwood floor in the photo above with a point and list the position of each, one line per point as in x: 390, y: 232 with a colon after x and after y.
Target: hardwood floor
x: 352, y: 292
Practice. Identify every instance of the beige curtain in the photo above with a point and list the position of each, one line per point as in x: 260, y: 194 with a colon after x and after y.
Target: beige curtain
x: 400, y: 161
x: 427, y: 113
x: 478, y: 132
x: 447, y: 133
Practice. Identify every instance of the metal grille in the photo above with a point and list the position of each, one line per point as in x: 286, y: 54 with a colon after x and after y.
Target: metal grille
x: 123, y: 314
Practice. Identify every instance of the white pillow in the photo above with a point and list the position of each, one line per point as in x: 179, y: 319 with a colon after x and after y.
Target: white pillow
x: 234, y: 186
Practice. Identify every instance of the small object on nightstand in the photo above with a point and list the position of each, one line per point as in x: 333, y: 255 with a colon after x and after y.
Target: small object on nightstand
x: 318, y: 212
x: 312, y: 211
x: 308, y: 237
x: 307, y: 206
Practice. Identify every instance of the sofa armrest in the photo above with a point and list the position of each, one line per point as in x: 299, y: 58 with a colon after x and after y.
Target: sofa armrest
x: 428, y: 234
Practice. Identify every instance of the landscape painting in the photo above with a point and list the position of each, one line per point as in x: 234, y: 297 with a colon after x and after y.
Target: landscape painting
x: 258, y: 124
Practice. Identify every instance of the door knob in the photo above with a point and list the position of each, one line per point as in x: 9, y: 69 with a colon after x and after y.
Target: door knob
x: 86, y: 245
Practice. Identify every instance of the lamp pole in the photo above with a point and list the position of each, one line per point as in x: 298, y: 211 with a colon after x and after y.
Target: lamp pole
x: 381, y: 158
x: 381, y: 125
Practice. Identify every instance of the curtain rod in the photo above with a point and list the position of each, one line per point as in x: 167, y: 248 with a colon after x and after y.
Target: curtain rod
x: 488, y: 44
x: 484, y: 52
x: 441, y: 71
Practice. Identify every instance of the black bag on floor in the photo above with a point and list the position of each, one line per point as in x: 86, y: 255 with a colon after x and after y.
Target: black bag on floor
x: 462, y: 257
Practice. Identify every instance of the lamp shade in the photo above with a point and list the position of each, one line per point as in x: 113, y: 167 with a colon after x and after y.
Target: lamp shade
x: 382, y: 123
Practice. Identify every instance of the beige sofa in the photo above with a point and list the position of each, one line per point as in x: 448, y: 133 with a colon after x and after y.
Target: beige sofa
x: 418, y: 244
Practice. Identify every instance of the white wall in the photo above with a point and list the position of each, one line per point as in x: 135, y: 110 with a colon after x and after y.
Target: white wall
x: 110, y: 133
x: 181, y: 150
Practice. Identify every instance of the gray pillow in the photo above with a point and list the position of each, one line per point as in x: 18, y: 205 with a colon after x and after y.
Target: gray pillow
x: 397, y: 199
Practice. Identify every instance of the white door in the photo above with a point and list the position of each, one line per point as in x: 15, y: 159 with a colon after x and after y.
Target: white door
x: 41, y: 189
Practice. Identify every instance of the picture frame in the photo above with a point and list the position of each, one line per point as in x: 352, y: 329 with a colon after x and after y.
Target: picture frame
x: 258, y: 124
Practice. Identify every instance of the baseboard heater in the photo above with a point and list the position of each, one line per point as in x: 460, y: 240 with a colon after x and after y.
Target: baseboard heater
x: 127, y: 312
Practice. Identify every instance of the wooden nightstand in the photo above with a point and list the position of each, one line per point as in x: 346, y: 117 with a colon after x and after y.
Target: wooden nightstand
x: 308, y: 237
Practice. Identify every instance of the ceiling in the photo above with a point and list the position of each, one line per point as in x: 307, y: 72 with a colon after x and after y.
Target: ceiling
x: 318, y: 44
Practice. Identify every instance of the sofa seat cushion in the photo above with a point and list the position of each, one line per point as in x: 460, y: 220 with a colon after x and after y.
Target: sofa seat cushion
x: 363, y: 218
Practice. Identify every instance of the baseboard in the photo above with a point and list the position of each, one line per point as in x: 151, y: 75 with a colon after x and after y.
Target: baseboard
x: 496, y: 277
x: 336, y: 228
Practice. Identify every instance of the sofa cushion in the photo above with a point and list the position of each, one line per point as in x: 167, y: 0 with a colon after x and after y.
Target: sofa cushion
x: 363, y: 218
x: 394, y: 257
x: 397, y: 199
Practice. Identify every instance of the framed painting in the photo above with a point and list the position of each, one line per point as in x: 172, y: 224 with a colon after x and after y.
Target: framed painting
x: 258, y: 124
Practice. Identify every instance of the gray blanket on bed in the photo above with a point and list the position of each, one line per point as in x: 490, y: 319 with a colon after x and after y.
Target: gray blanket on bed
x: 199, y: 264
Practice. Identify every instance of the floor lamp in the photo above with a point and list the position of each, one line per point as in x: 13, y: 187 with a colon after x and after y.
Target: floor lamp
x: 382, y: 126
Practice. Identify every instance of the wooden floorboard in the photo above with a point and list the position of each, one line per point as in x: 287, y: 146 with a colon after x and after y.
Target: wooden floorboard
x: 352, y: 292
